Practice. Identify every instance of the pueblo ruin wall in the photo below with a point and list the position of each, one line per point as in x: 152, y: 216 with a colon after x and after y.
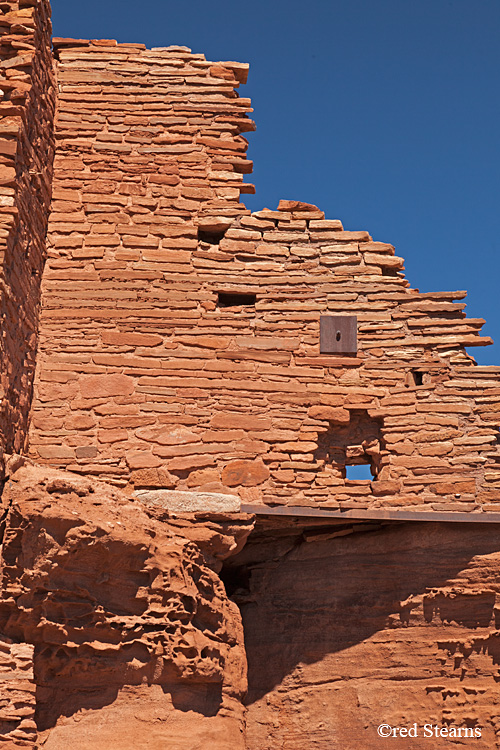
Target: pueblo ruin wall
x: 26, y: 155
x: 184, y: 560
x: 180, y: 334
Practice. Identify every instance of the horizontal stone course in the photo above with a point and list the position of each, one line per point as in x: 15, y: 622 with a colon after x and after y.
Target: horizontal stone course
x: 142, y: 369
x: 27, y: 103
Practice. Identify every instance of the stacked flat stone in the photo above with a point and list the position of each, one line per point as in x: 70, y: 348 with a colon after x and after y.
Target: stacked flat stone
x: 17, y: 695
x: 145, y: 380
x: 180, y: 358
x: 27, y: 101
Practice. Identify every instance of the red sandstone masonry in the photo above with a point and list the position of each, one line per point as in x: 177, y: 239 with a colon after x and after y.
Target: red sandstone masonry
x: 144, y: 380
x: 17, y: 695
x: 26, y: 151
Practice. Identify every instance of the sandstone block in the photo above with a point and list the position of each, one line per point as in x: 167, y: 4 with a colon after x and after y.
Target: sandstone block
x: 112, y: 436
x: 103, y: 386
x: 236, y: 420
x: 159, y: 477
x: 79, y: 422
x: 7, y: 175
x: 385, y: 487
x: 208, y: 342
x: 297, y: 206
x: 244, y: 473
x: 86, y: 451
x: 202, y: 476
x: 452, y: 488
x: 130, y: 339
x: 142, y: 460
x: 55, y: 451
x: 167, y: 435
x: 326, y: 224
x: 332, y: 414
x: 190, y: 462
x: 57, y: 391
x: 190, y: 502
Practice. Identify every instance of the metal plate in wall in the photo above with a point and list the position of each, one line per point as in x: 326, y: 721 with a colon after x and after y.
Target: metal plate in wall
x: 338, y: 334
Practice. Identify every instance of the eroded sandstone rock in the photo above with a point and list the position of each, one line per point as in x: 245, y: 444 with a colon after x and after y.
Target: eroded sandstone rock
x: 121, y: 617
x: 349, y: 626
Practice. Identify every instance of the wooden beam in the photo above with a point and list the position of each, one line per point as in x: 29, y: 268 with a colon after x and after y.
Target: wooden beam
x: 377, y: 514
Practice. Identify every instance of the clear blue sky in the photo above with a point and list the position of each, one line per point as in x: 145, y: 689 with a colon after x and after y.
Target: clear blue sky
x: 385, y: 113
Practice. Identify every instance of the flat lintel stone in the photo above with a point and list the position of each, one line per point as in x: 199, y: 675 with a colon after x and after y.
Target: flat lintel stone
x: 190, y: 502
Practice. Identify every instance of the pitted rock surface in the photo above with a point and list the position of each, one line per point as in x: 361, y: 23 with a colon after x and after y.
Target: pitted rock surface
x: 116, y: 604
x: 161, y: 338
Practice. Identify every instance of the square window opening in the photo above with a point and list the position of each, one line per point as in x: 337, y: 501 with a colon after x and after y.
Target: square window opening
x: 211, y: 238
x: 418, y: 377
x: 359, y: 472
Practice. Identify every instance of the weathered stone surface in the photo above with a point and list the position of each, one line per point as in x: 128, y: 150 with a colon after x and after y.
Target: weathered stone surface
x: 244, y: 473
x: 347, y: 628
x: 153, y: 478
x: 129, y: 623
x: 330, y: 413
x: 297, y: 206
x: 179, y: 332
x: 17, y: 695
x: 189, y: 502
x: 103, y: 386
x: 142, y: 459
x: 178, y: 357
x: 27, y: 84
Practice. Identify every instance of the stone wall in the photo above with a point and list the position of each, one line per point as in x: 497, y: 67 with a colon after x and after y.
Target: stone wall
x: 179, y: 348
x: 180, y: 341
x: 27, y: 101
x: 17, y: 695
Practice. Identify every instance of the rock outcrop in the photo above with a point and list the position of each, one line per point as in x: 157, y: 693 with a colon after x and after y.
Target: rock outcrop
x: 119, y: 628
x: 193, y: 356
x: 348, y: 627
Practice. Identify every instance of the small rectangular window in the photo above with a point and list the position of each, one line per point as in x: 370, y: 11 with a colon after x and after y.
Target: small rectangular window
x: 418, y: 377
x: 211, y: 238
x: 358, y: 472
x: 235, y: 299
